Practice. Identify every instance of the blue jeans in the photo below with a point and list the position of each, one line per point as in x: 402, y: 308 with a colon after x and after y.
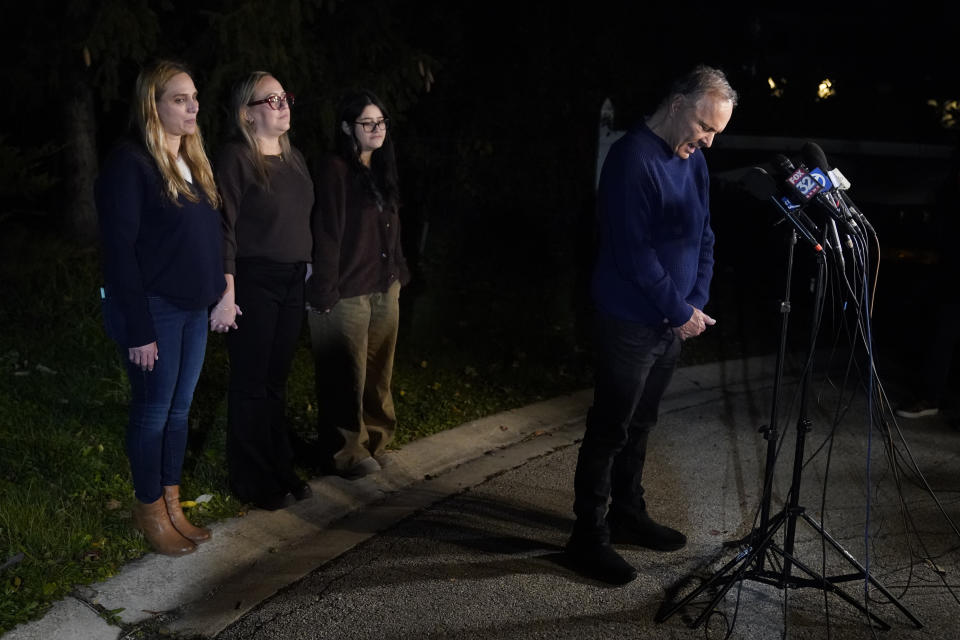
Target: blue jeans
x: 160, y: 399
x: 634, y: 366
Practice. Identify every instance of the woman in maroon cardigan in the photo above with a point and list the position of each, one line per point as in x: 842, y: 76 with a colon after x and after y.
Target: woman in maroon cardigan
x: 353, y: 292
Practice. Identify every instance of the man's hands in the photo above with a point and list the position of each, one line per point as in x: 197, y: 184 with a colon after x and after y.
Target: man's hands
x: 697, y: 324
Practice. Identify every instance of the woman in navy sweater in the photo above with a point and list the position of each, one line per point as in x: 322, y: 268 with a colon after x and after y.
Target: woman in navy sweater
x: 160, y: 230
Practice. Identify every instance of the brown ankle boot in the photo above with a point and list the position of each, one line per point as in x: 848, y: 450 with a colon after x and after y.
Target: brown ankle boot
x: 171, y: 495
x: 152, y: 519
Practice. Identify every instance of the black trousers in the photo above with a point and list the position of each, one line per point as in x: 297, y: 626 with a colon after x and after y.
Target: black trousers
x: 634, y: 366
x: 938, y: 354
x: 259, y: 456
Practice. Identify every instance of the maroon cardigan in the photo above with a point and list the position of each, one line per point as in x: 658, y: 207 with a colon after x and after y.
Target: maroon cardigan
x: 356, y: 242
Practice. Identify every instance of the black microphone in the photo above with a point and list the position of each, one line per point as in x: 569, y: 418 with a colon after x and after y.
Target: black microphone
x: 762, y: 186
x: 797, y: 182
x: 759, y: 184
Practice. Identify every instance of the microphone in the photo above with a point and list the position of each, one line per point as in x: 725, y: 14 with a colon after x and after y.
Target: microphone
x: 839, y: 180
x: 828, y: 197
x: 762, y: 186
x: 798, y: 182
x: 853, y: 213
x: 814, y: 157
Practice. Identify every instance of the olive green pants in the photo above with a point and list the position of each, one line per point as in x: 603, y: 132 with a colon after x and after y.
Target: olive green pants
x: 353, y: 346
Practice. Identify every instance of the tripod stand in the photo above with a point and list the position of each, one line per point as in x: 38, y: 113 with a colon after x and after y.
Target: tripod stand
x: 759, y: 547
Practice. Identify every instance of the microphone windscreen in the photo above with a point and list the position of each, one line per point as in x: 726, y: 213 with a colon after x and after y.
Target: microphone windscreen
x: 759, y: 184
x: 814, y: 156
x: 782, y: 165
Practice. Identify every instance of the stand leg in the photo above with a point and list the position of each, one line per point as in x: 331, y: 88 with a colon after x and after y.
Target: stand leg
x: 861, y: 570
x: 820, y: 582
x: 744, y: 559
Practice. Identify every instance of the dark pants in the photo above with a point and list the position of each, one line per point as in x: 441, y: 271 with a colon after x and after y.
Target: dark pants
x: 634, y: 366
x: 938, y: 354
x: 259, y: 456
x: 353, y: 349
x: 160, y: 399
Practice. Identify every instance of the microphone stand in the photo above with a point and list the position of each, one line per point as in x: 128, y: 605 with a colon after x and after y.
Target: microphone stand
x: 759, y: 546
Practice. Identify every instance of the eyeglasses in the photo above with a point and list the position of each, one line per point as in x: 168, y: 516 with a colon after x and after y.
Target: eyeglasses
x: 372, y: 125
x: 275, y: 101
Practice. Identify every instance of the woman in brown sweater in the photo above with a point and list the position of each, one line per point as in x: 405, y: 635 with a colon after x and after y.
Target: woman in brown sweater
x: 267, y: 198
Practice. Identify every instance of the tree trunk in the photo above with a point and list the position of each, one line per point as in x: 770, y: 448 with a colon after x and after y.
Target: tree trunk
x: 80, y: 165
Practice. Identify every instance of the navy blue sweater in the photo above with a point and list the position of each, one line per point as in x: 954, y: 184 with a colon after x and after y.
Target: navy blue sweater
x: 655, y: 257
x: 151, y: 246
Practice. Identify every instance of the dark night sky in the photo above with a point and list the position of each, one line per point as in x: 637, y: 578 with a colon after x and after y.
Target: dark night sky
x: 530, y: 76
x: 884, y: 62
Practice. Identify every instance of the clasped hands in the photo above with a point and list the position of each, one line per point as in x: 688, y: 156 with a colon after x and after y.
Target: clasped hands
x: 224, y: 316
x: 697, y: 324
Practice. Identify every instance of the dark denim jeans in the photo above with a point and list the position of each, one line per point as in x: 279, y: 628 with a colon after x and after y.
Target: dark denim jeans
x: 634, y: 366
x: 160, y: 399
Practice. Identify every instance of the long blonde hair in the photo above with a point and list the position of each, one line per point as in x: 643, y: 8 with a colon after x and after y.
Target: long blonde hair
x: 149, y: 88
x: 242, y: 94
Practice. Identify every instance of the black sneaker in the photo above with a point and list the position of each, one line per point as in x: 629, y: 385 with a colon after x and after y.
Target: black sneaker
x: 642, y: 531
x: 274, y: 503
x: 302, y: 491
x: 599, y: 561
x: 920, y: 409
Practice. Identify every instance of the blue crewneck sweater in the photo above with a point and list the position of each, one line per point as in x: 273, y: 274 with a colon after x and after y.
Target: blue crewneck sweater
x: 655, y: 256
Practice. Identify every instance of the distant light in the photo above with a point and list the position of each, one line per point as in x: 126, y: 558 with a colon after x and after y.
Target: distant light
x: 825, y: 89
x: 775, y: 90
x: 950, y: 116
x: 949, y: 112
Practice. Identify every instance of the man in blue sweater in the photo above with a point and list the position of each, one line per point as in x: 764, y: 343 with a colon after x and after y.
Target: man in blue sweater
x: 650, y: 284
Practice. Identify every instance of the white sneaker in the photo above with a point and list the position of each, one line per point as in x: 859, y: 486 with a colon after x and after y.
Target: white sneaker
x: 920, y: 409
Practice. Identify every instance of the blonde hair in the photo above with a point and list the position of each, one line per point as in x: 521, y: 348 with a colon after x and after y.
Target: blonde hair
x: 149, y: 89
x: 242, y: 94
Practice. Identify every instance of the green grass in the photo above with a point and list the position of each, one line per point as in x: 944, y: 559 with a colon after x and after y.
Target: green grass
x: 65, y: 490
